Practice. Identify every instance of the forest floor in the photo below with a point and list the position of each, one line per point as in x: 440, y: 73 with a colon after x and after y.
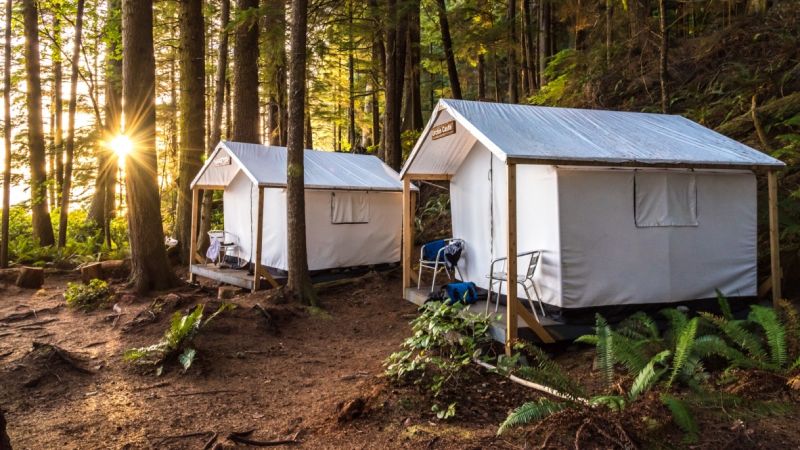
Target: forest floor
x: 310, y: 375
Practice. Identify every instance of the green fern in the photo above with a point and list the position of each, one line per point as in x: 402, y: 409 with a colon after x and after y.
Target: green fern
x: 531, y: 412
x: 677, y: 321
x: 773, y: 329
x: 683, y: 348
x: 649, y: 375
x: 544, y: 370
x: 639, y: 326
x: 712, y: 345
x: 724, y: 305
x: 629, y: 352
x: 681, y: 416
x: 615, y: 403
x: 605, y: 350
x: 744, y: 339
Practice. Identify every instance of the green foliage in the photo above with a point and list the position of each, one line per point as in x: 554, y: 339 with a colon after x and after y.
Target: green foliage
x: 682, y: 416
x: 182, y: 330
x: 531, y: 412
x: 87, y: 297
x: 445, y: 340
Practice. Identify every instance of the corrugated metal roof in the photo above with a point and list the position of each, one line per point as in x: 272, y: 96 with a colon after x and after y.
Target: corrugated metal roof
x: 266, y: 166
x: 562, y: 135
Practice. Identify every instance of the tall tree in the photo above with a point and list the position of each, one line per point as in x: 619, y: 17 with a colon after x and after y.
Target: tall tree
x: 150, y: 268
x: 513, y: 76
x: 275, y: 56
x: 663, y: 49
x: 57, y: 125
x: 413, y: 99
x: 377, y: 72
x: 245, y: 74
x: 545, y: 31
x: 447, y: 43
x: 6, y: 137
x: 69, y: 153
x: 103, y: 203
x: 395, y: 62
x: 192, y: 120
x: 299, y: 282
x: 216, y: 120
x: 42, y: 227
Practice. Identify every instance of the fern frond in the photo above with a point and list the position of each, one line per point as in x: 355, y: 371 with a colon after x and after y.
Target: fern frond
x: 683, y: 347
x: 740, y: 336
x: 628, y: 352
x: 773, y: 329
x: 712, y: 345
x: 677, y: 321
x: 605, y: 350
x: 681, y: 416
x: 639, y: 326
x: 791, y: 320
x: 648, y: 376
x: 531, y: 412
x: 724, y: 305
x: 590, y: 339
x: 544, y: 370
x: 615, y: 403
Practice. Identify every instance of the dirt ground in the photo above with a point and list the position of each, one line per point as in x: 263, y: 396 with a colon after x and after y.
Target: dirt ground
x: 283, y: 381
x: 295, y: 377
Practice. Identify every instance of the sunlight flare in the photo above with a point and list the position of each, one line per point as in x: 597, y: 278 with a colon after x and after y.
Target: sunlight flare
x: 121, y: 145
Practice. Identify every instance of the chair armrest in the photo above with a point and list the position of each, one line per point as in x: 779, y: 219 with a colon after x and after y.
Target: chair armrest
x: 496, y: 260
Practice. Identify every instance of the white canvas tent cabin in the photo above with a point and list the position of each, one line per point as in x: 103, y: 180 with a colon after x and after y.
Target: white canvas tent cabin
x: 353, y: 210
x: 626, y: 208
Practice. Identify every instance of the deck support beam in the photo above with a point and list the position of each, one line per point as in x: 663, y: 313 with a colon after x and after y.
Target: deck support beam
x: 193, y: 232
x: 259, y: 240
x: 774, y: 237
x: 511, y: 266
x: 407, y: 232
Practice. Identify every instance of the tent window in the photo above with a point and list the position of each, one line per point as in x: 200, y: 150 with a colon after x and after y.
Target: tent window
x: 349, y: 207
x: 665, y: 199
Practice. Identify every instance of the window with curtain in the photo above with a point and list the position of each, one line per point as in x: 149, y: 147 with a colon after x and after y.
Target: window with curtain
x: 349, y: 207
x: 665, y: 199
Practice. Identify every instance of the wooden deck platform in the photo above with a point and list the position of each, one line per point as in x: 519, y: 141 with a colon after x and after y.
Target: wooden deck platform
x: 234, y: 277
x: 559, y: 330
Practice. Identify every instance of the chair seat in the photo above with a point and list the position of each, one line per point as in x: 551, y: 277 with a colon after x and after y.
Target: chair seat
x: 501, y: 276
x: 423, y: 261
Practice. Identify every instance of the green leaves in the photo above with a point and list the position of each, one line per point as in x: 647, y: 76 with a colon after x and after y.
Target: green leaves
x: 649, y: 375
x: 87, y: 297
x: 531, y: 412
x: 683, y: 348
x: 681, y: 416
x: 774, y: 331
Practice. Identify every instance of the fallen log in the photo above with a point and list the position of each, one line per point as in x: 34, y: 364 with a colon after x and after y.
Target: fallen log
x: 30, y: 278
x: 768, y: 112
x: 15, y: 317
x: 242, y: 438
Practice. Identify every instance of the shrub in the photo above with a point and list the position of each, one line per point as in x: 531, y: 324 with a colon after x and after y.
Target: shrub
x: 88, y: 297
x: 446, y: 338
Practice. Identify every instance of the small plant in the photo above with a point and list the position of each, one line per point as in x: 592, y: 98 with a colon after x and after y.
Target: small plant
x: 88, y: 297
x: 176, y: 340
x: 446, y: 339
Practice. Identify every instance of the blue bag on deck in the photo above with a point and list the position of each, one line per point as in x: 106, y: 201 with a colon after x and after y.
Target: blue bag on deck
x: 461, y: 292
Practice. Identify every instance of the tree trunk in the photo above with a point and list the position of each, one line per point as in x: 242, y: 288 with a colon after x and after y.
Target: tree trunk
x: 530, y: 47
x: 103, y: 202
x: 447, y: 44
x: 513, y: 76
x: 412, y: 119
x: 299, y: 282
x: 216, y: 123
x: 5, y: 442
x: 192, y: 120
x: 57, y: 155
x: 42, y: 227
x: 395, y: 62
x: 245, y: 77
x: 150, y: 268
x: 544, y: 39
x: 663, y: 48
x: 73, y: 106
x: 7, y: 137
x: 275, y: 57
x: 377, y: 73
x: 609, y: 16
x: 351, y: 84
x: 309, y: 133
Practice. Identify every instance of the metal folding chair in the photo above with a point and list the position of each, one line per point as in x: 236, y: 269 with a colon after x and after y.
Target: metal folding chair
x: 525, y: 280
x: 438, y: 263
x: 227, y: 244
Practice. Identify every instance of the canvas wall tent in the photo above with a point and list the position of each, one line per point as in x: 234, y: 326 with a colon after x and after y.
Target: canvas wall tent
x: 627, y: 208
x: 353, y: 205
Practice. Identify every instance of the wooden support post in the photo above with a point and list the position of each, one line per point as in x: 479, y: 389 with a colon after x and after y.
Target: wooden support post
x: 412, y: 214
x: 259, y: 240
x: 193, y: 233
x: 774, y: 238
x: 407, y: 233
x: 511, y: 221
